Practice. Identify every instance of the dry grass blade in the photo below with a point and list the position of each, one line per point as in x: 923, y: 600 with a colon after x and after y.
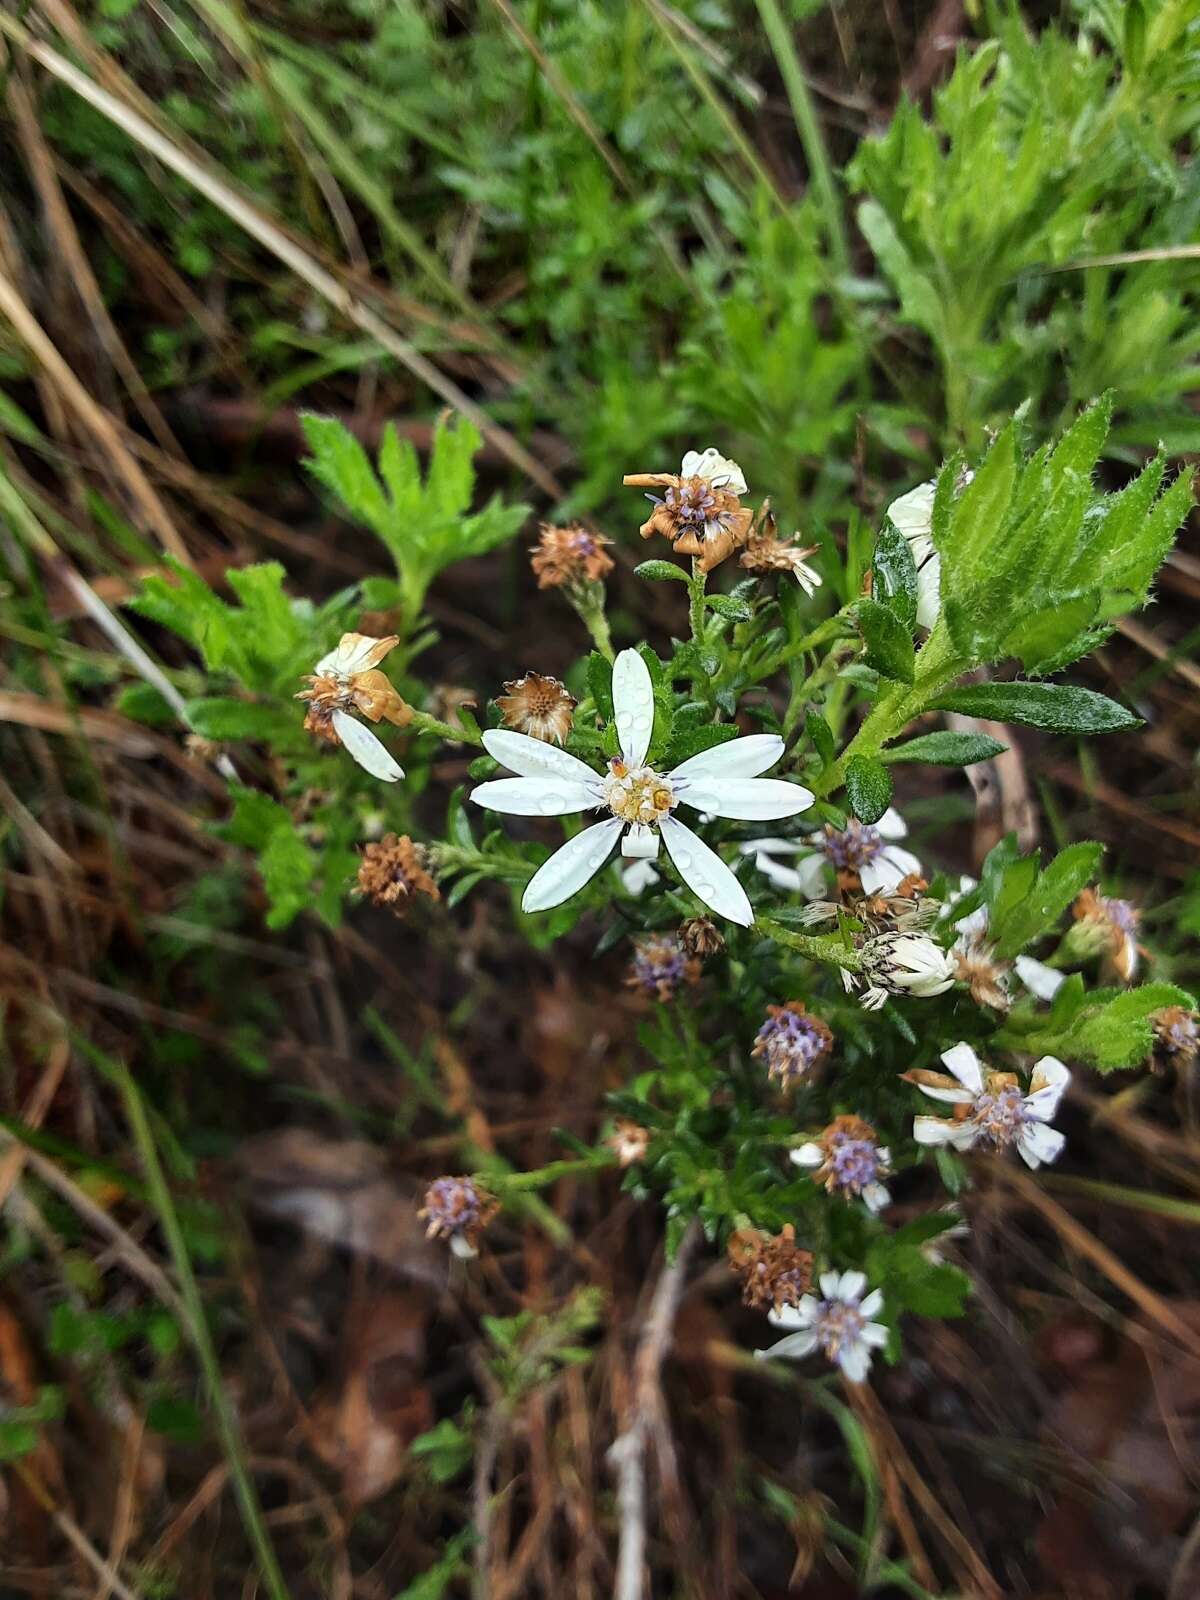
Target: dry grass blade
x: 282, y: 245
x: 74, y: 1534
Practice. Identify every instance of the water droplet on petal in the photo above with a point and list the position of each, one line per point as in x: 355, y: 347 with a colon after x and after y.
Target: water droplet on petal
x: 550, y: 804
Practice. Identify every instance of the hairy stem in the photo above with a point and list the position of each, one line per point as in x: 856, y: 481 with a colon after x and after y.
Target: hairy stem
x: 827, y: 947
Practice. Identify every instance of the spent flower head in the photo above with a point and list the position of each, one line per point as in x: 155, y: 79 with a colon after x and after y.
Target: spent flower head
x: 699, y: 511
x: 392, y: 871
x: 628, y: 1141
x: 991, y: 1108
x: 458, y: 1209
x: 774, y: 1271
x: 791, y: 1042
x: 539, y: 706
x: 1177, y: 1033
x: 701, y: 937
x: 1105, y: 926
x: 347, y: 682
x: 721, y: 781
x: 766, y: 552
x: 903, y: 962
x: 570, y: 557
x: 661, y: 966
x: 849, y: 1160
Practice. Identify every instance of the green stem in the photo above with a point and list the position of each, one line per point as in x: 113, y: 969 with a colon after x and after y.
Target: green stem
x: 589, y: 602
x: 422, y: 722
x: 809, y: 128
x: 828, y: 947
x: 543, y: 1177
x: 226, y: 1419
x: 696, y: 586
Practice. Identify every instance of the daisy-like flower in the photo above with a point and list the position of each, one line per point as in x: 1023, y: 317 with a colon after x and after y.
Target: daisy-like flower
x: 1106, y: 926
x: 348, y: 681
x: 538, y: 706
x: 774, y: 1271
x: 661, y: 966
x: 849, y: 1160
x: 791, y: 1041
x: 699, y: 511
x: 995, y: 1111
x: 901, y: 963
x: 628, y: 1141
x: 863, y: 856
x: 392, y: 871
x: 721, y: 782
x: 570, y: 556
x: 458, y: 1209
x: 839, y: 1325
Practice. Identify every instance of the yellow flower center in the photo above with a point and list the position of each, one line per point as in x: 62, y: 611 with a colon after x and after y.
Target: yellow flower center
x: 637, y: 794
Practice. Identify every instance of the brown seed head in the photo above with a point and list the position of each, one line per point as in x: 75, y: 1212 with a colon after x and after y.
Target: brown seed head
x: 701, y: 937
x: 987, y: 977
x: 538, y: 706
x: 572, y: 555
x: 628, y: 1141
x: 774, y: 1272
x: 392, y: 871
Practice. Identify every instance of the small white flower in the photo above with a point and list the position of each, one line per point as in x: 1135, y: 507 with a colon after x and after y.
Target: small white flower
x: 871, y: 852
x: 901, y: 963
x: 849, y: 1160
x: 722, y: 782
x: 838, y: 1324
x: 998, y: 1114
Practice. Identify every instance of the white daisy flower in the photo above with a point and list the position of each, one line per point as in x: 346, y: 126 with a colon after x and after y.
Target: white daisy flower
x: 912, y: 516
x: 849, y: 1160
x: 901, y: 963
x: 999, y: 1114
x: 721, y: 782
x: 871, y: 852
x: 838, y: 1324
x: 347, y: 683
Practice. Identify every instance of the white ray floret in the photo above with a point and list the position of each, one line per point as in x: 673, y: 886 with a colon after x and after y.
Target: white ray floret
x: 838, y: 1324
x: 998, y: 1113
x: 720, y: 782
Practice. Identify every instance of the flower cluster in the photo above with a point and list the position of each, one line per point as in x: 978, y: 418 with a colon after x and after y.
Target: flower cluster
x: 661, y: 966
x: 348, y: 680
x: 791, y: 1042
x: 458, y: 1209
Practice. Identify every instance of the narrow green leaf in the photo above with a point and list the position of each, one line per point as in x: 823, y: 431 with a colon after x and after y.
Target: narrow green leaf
x: 599, y: 681
x: 660, y: 572
x: 896, y: 575
x: 1059, y: 706
x: 726, y: 606
x: 821, y: 737
x: 889, y: 644
x: 946, y: 749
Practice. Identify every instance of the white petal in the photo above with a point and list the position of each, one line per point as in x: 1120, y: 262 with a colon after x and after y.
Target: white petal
x: 638, y: 876
x: 892, y: 825
x: 745, y: 799
x: 883, y: 875
x: 534, y: 758
x: 855, y: 1361
x: 718, y: 469
x: 370, y: 752
x: 633, y: 705
x: 1038, y: 978
x: 808, y: 1155
x: 534, y: 797
x: 793, y: 1317
x: 705, y: 874
x: 775, y: 847
x: 1046, y: 1087
x: 831, y: 1283
x: 912, y: 513
x: 964, y: 1064
x: 875, y: 1335
x: 950, y: 1096
x: 1038, y: 1143
x: 640, y: 843
x: 744, y: 757
x: 796, y: 1346
x: 462, y: 1247
x: 351, y: 654
x: 943, y: 1130
x: 853, y: 1284
x: 876, y: 1197
x: 570, y: 867
x: 929, y: 591
x: 872, y: 1303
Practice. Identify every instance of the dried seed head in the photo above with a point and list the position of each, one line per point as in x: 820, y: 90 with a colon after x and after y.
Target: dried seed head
x: 769, y: 554
x: 1105, y: 926
x: 538, y: 706
x: 573, y: 555
x: 977, y: 966
x: 774, y: 1272
x: 700, y: 937
x: 660, y: 966
x: 392, y: 871
x: 458, y: 1209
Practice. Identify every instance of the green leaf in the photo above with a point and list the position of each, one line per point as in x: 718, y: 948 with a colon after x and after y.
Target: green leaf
x: 869, y: 788
x: 726, y: 606
x: 889, y: 644
x: 1038, y: 909
x: 821, y: 736
x: 221, y: 718
x: 142, y: 702
x: 946, y: 749
x: 599, y: 681
x: 689, y: 742
x: 660, y: 572
x: 927, y: 1288
x: 342, y: 465
x: 896, y: 575
x: 1058, y: 706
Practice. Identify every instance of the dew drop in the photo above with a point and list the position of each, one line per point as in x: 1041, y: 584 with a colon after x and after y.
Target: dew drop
x: 550, y: 804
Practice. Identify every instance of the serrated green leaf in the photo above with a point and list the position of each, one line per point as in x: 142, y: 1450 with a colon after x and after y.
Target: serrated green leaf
x: 1058, y: 706
x: 1040, y: 908
x: 868, y: 787
x: 889, y: 644
x: 599, y: 681
x: 342, y: 465
x: 216, y: 717
x: 946, y: 749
